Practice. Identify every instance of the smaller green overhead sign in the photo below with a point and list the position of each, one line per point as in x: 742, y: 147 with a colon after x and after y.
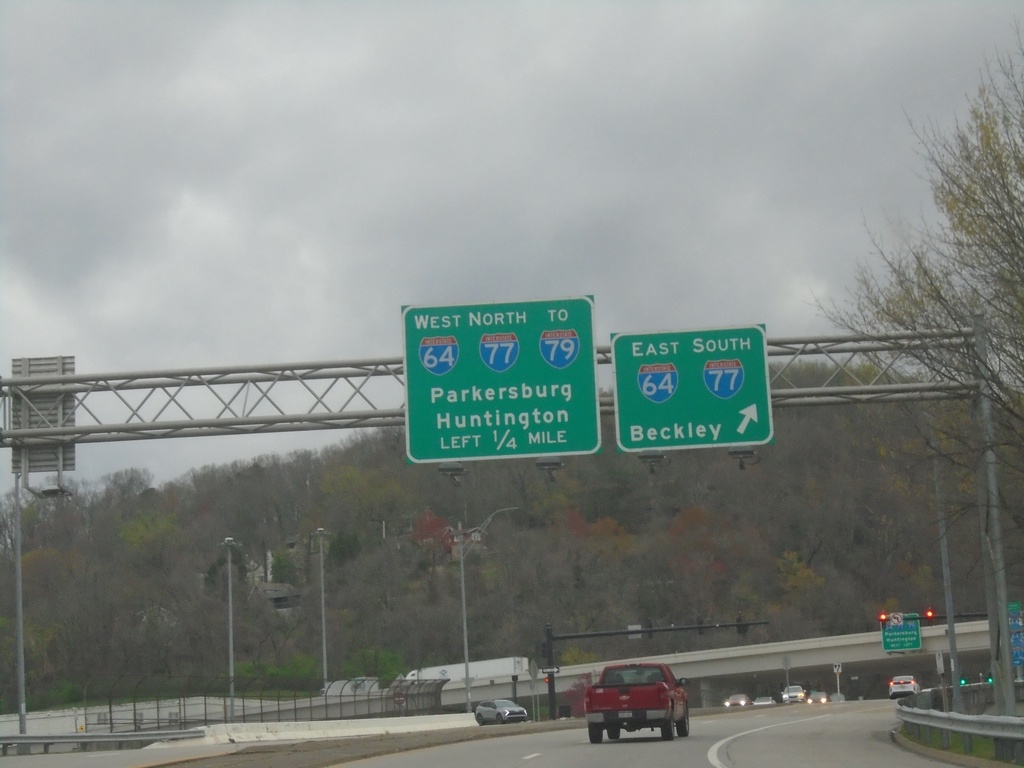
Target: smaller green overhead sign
x: 692, y: 389
x: 901, y: 632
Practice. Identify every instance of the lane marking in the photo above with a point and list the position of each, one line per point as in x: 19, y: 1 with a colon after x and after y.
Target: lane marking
x: 713, y: 752
x: 531, y: 757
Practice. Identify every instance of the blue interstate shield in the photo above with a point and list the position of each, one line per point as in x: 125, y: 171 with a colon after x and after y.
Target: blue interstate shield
x: 559, y: 348
x: 658, y: 381
x: 723, y: 378
x: 499, y: 351
x: 439, y: 354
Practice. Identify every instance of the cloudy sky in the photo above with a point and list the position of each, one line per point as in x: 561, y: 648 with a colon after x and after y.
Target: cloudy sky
x: 197, y: 183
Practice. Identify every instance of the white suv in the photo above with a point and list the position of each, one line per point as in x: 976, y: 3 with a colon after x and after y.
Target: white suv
x: 903, y: 685
x: 793, y: 693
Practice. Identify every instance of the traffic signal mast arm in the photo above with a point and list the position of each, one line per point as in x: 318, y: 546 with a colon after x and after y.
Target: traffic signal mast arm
x: 651, y: 630
x: 929, y: 616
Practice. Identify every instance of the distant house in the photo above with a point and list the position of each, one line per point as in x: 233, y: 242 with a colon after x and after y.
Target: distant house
x: 282, y: 596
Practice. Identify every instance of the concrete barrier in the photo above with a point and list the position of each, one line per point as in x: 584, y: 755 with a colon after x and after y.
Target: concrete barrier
x: 240, y: 733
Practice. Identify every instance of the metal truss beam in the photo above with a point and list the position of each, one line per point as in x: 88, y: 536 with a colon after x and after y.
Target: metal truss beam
x: 352, y: 394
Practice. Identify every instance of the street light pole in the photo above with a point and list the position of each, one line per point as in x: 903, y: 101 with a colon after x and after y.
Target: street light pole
x: 19, y: 616
x: 230, y: 544
x: 320, y: 533
x: 461, y: 536
x: 465, y: 624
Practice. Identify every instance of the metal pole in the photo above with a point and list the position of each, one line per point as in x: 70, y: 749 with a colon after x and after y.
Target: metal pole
x: 999, y: 620
x: 947, y: 588
x: 229, y: 543
x: 465, y: 624
x: 549, y: 650
x: 19, y: 616
x: 461, y: 535
x: 320, y: 532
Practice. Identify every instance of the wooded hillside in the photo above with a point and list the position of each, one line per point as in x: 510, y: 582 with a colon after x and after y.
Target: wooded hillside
x: 835, y: 521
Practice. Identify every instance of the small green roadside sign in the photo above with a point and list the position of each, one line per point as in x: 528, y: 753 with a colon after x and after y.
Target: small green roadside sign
x: 692, y: 389
x: 901, y: 632
x: 489, y: 381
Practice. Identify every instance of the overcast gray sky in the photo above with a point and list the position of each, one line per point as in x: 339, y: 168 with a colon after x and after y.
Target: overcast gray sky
x: 201, y: 183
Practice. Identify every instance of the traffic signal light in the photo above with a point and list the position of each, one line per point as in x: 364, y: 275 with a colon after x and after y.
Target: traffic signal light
x: 547, y: 679
x: 929, y: 615
x: 963, y: 680
x: 883, y: 617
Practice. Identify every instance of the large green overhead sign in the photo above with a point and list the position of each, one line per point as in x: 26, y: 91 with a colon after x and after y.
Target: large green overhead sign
x: 501, y: 380
x: 693, y: 389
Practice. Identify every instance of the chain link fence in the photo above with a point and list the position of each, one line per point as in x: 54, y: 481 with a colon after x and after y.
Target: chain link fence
x: 129, y: 703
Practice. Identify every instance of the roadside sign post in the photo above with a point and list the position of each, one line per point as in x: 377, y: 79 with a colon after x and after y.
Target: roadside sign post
x: 1017, y: 635
x: 838, y: 669
x: 940, y: 667
x: 692, y: 389
x: 506, y: 380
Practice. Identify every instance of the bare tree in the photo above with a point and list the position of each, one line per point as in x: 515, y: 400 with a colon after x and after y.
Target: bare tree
x: 970, y: 264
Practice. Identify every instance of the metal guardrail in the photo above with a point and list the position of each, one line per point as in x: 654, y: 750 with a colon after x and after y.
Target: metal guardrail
x: 920, y: 719
x: 83, y: 741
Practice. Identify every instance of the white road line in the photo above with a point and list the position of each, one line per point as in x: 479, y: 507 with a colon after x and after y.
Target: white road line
x: 530, y: 757
x: 713, y: 752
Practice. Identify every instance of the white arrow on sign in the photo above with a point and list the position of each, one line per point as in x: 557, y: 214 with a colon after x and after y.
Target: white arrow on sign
x: 749, y: 414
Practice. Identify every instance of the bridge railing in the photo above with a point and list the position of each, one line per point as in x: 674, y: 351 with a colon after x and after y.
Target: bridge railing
x: 121, y: 704
x: 921, y: 717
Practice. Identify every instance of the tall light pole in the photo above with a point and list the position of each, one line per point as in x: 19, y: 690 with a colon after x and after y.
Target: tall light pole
x: 229, y: 543
x: 19, y: 616
x: 19, y: 612
x: 465, y: 625
x: 320, y: 533
x: 474, y: 534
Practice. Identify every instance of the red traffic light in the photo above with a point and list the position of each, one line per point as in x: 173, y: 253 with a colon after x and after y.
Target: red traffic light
x: 883, y: 617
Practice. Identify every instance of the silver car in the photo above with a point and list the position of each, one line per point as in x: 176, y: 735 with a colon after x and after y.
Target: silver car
x: 500, y: 711
x: 793, y: 693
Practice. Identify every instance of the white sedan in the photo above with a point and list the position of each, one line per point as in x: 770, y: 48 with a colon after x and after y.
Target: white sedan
x: 903, y: 685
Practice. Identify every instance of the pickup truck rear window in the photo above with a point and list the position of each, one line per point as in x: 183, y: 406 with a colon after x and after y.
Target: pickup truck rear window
x: 633, y: 676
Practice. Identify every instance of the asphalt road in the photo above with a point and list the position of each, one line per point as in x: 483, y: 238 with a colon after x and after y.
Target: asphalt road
x: 300, y: 754
x: 321, y: 754
x: 846, y: 735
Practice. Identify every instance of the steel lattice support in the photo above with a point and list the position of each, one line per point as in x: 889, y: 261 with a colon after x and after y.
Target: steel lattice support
x: 48, y: 409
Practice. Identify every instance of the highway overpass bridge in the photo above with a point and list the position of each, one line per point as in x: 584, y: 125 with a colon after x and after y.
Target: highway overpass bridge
x: 761, y: 670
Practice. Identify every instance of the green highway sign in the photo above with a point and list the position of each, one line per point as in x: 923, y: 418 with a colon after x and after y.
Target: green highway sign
x: 692, y: 389
x: 901, y: 632
x: 486, y: 381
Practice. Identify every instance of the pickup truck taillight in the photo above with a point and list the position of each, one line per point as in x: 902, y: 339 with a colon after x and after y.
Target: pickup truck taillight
x: 663, y: 695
